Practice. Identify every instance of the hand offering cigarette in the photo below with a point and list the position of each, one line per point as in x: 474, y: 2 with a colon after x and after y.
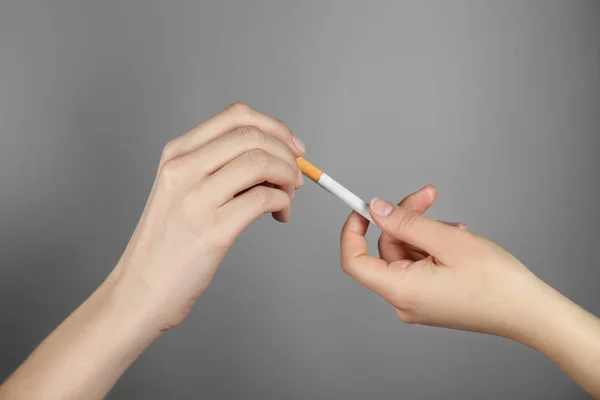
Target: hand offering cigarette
x: 333, y: 187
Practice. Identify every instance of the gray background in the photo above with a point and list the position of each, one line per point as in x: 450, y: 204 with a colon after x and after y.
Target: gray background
x: 496, y: 103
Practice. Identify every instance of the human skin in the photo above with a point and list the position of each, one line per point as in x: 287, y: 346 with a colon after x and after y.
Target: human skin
x: 211, y: 183
x: 441, y: 275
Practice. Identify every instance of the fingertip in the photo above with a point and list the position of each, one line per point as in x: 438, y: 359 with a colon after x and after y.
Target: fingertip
x: 381, y: 208
x: 431, y: 192
x: 282, y: 216
x: 355, y: 224
x: 421, y: 200
x: 299, y: 179
x: 300, y: 147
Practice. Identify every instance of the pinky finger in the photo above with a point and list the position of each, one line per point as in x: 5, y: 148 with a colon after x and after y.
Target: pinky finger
x: 240, y: 211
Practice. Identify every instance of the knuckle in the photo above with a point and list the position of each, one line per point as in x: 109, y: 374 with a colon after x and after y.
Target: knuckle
x: 252, y: 134
x: 292, y: 159
x: 170, y: 172
x: 348, y: 266
x: 238, y: 108
x: 406, y: 317
x: 290, y: 173
x: 345, y: 267
x: 258, y: 158
x: 262, y: 194
x: 407, y: 220
x: 283, y: 127
x: 169, y: 151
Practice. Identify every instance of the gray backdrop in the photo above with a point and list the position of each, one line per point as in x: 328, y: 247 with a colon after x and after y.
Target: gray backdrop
x: 496, y: 103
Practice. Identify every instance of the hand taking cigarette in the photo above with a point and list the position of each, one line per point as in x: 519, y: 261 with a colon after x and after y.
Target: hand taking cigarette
x: 434, y: 273
x: 214, y: 181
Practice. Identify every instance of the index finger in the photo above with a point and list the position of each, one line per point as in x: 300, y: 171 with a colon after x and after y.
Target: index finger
x: 446, y: 243
x: 391, y: 248
x: 233, y: 117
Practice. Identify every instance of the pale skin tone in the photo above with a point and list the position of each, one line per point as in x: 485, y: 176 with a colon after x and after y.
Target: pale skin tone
x: 214, y: 181
x: 441, y: 275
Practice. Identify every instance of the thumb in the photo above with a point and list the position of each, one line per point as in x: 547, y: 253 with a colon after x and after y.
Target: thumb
x: 434, y: 237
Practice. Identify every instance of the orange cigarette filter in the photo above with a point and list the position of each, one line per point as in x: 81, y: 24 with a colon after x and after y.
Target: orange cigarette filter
x: 309, y: 169
x: 333, y: 187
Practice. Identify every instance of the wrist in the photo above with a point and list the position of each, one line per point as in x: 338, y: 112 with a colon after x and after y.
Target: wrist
x: 94, y: 346
x: 543, y: 318
x: 565, y: 333
x: 526, y: 308
x: 127, y: 314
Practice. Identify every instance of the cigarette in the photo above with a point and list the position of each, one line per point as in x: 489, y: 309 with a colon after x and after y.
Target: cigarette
x: 333, y: 187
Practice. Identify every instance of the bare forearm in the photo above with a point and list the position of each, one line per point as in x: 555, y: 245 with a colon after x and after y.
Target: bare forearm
x: 84, y: 356
x: 567, y: 334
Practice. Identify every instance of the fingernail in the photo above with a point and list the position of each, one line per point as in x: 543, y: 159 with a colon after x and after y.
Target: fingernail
x: 293, y: 194
x: 298, y: 143
x: 460, y: 225
x: 300, y: 179
x: 381, y: 207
